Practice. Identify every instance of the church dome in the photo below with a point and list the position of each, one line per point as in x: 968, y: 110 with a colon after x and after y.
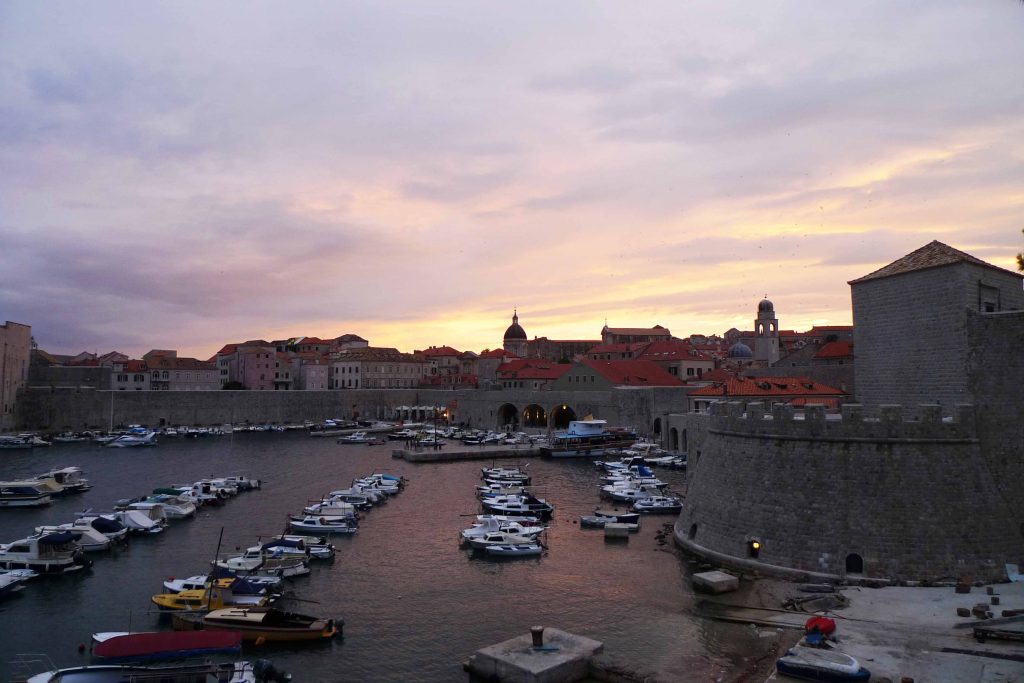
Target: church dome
x: 514, y: 331
x: 740, y: 350
x: 765, y: 306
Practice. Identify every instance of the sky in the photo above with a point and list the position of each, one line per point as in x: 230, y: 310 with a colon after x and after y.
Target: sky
x: 188, y: 174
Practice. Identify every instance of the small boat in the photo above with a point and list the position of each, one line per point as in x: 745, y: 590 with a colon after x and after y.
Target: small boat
x: 818, y: 664
x: 256, y: 560
x: 266, y: 623
x: 48, y: 554
x: 515, y: 550
x: 356, y: 438
x: 481, y: 529
x: 498, y: 538
x: 616, y: 516
x: 24, y: 493
x: 88, y: 538
x: 214, y: 597
x: 135, y: 436
x: 316, y: 547
x: 14, y: 442
x: 239, y: 585
x: 108, y: 526
x: 13, y: 580
x: 586, y: 438
x: 206, y: 672
x: 593, y: 521
x: 656, y: 504
x: 630, y: 494
x: 528, y: 504
x: 522, y: 519
x: 69, y: 479
x: 114, y: 646
x: 323, y: 524
x: 505, y: 474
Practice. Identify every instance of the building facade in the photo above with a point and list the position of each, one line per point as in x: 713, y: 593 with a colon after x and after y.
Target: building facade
x: 15, y: 349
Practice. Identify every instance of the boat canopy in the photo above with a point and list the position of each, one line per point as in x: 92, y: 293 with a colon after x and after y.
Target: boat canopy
x: 106, y: 526
x: 59, y: 538
x: 284, y: 543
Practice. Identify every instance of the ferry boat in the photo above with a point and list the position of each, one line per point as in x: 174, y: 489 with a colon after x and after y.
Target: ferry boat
x: 585, y: 438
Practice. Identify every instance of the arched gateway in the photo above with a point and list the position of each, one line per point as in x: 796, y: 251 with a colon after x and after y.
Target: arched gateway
x: 561, y: 416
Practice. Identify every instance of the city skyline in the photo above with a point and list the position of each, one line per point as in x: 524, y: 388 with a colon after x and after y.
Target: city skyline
x: 185, y: 176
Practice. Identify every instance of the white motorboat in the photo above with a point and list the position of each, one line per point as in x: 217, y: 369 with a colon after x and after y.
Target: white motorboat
x: 522, y: 519
x: 227, y: 672
x: 323, y: 525
x: 505, y: 474
x: 174, y: 507
x: 88, y: 538
x: 514, y: 550
x: 13, y: 442
x: 12, y: 581
x: 331, y: 508
x: 154, y: 511
x: 135, y: 436
x: 108, y: 526
x: 498, y: 538
x: 135, y: 521
x: 295, y: 546
x: 630, y: 494
x: 656, y: 504
x: 482, y: 529
x: 500, y: 490
x: 518, y: 505
x: 55, y: 553
x: 243, y: 483
x: 357, y: 438
x: 24, y: 493
x: 319, y: 547
x: 68, y: 479
x: 253, y: 560
x: 355, y: 498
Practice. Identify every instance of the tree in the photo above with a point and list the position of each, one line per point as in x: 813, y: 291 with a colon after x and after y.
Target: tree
x: 1020, y: 256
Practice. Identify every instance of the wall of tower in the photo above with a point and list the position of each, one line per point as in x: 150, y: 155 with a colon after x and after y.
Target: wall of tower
x: 910, y: 333
x: 913, y: 498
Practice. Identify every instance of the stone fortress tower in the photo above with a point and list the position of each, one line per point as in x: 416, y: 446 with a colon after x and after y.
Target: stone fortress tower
x: 921, y: 479
x: 766, y: 334
x: 515, y: 341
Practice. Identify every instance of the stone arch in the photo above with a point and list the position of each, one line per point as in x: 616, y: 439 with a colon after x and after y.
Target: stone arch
x: 854, y: 564
x: 508, y: 417
x: 561, y: 416
x: 535, y: 416
x: 673, y: 439
x: 656, y: 428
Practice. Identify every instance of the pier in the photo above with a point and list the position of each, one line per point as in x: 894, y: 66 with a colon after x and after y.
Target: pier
x: 427, y: 454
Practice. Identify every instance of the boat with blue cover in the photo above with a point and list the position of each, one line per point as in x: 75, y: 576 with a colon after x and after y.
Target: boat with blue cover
x: 587, y: 438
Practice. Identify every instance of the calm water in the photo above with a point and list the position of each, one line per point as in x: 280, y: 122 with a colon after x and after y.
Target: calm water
x: 415, y: 605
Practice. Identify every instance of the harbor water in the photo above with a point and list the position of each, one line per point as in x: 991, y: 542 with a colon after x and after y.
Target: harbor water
x: 415, y: 605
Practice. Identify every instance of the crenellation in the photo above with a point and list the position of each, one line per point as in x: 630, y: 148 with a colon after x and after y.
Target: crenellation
x: 894, y: 424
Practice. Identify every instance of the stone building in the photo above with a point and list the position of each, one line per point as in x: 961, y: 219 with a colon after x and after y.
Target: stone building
x: 766, y: 334
x: 376, y: 368
x: 930, y: 490
x: 15, y: 348
x: 515, y: 341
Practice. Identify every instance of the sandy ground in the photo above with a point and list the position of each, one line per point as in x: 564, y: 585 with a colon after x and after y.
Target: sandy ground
x: 897, y: 633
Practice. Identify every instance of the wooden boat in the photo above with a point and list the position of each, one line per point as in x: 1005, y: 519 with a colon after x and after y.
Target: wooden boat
x: 156, y: 645
x: 266, y: 623
x: 814, y: 664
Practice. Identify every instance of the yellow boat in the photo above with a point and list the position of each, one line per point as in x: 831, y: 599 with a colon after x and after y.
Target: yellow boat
x: 262, y: 624
x: 215, y: 597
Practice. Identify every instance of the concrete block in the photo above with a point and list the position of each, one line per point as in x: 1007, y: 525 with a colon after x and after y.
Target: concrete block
x: 716, y: 582
x: 564, y: 658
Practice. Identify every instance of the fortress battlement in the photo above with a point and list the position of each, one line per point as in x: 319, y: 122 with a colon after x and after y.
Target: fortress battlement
x: 893, y: 423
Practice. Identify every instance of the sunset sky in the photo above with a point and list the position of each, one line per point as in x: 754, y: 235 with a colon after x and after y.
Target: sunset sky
x: 188, y: 174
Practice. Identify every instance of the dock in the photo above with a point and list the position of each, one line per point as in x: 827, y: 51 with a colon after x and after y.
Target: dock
x: 427, y: 454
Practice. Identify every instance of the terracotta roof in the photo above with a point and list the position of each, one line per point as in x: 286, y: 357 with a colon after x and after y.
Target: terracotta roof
x: 496, y: 353
x: 633, y: 373
x: 437, y: 351
x: 673, y: 349
x: 931, y: 255
x: 768, y: 386
x: 134, y: 366
x: 349, y: 338
x: 836, y: 349
x: 532, y: 369
x: 716, y: 375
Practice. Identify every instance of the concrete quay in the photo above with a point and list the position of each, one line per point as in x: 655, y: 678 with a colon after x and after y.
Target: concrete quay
x: 546, y: 655
x: 427, y: 454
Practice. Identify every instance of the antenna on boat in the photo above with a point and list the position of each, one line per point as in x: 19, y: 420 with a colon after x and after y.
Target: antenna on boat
x: 216, y: 557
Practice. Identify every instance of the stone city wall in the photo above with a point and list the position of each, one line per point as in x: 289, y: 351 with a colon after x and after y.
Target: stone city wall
x: 78, y: 409
x: 912, y: 498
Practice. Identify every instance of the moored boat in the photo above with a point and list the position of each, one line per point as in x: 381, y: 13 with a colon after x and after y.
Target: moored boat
x: 656, y: 504
x: 178, y: 672
x: 819, y: 664
x: 515, y: 550
x: 586, y: 438
x: 24, y: 493
x: 48, y: 554
x: 266, y: 623
x: 114, y: 646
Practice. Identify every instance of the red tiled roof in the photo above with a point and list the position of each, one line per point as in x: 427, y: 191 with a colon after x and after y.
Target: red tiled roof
x: 673, y: 349
x: 931, y: 255
x: 768, y: 386
x: 716, y: 375
x: 532, y: 369
x: 496, y: 353
x: 134, y: 366
x: 836, y: 349
x: 438, y: 351
x: 634, y: 373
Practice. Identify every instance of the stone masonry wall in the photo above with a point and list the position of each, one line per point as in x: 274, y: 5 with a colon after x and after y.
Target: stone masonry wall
x: 913, y: 498
x: 996, y: 376
x: 71, y: 409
